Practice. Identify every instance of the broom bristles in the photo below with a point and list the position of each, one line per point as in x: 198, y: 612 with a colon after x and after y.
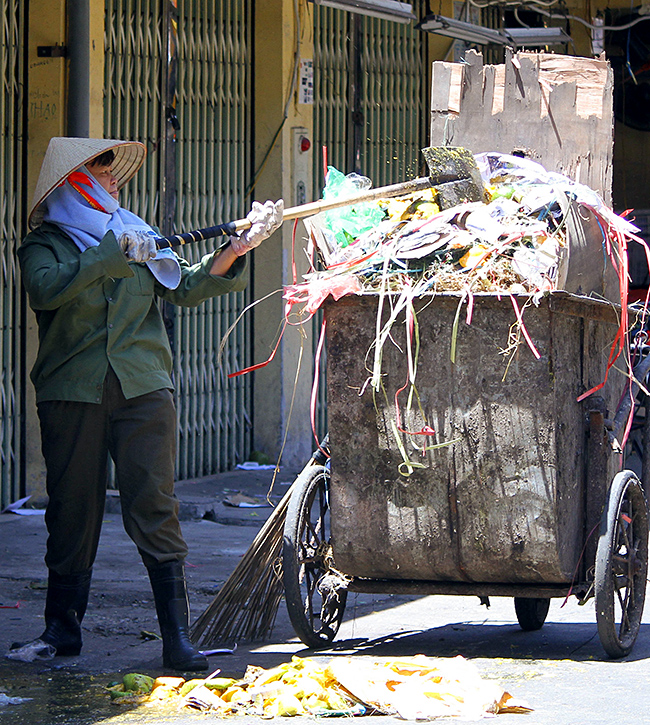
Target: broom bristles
x: 246, y: 606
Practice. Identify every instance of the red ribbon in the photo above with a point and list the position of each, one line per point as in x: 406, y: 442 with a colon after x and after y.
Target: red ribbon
x: 77, y: 181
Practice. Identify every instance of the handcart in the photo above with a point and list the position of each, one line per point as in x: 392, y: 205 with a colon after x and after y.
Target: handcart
x: 528, y: 497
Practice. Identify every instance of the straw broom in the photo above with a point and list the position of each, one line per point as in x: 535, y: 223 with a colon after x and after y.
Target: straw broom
x: 246, y: 606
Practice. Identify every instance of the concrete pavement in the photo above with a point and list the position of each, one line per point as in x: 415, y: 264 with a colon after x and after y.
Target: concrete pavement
x: 561, y: 670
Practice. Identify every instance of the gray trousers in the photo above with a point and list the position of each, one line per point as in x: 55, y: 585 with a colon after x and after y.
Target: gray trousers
x: 140, y: 435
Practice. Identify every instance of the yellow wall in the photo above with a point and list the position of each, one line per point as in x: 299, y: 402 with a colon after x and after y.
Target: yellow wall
x: 46, y: 81
x: 275, y: 53
x: 96, y: 70
x: 47, y: 78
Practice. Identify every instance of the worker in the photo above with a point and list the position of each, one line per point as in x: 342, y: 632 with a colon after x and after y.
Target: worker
x: 102, y: 376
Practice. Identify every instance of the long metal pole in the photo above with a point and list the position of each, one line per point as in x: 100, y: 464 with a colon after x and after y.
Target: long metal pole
x: 78, y: 44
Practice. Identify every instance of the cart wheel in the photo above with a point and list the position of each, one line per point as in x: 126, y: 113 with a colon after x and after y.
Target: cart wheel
x: 621, y: 565
x: 315, y: 596
x: 531, y: 613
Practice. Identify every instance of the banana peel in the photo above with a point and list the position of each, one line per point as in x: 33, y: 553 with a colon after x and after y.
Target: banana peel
x: 412, y: 688
x: 236, y: 695
x: 189, y: 685
x: 284, y: 705
x: 166, y: 687
x: 163, y: 692
x: 140, y: 684
x: 301, y: 687
x: 133, y: 688
x: 421, y: 205
x: 220, y: 684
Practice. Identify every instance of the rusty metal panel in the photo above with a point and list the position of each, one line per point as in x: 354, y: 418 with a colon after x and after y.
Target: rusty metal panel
x: 210, y: 57
x: 13, y: 377
x: 213, y: 168
x: 504, y: 503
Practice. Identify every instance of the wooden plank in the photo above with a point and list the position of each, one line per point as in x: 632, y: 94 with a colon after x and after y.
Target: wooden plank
x: 558, y: 109
x: 441, y: 87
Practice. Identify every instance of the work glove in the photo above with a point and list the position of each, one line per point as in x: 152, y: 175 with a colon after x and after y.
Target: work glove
x: 138, y: 246
x: 265, y: 219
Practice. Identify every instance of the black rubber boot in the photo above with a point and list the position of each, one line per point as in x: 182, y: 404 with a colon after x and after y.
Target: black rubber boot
x: 65, y: 606
x: 172, y: 608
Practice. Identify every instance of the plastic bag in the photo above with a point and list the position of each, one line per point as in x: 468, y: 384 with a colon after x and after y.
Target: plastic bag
x: 348, y: 222
x: 6, y: 700
x: 34, y: 650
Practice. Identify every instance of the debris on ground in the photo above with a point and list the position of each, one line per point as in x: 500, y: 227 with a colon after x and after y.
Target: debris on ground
x: 416, y: 688
x: 424, y: 688
x: 241, y: 500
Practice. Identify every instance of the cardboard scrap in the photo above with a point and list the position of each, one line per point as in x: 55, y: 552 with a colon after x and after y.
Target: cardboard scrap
x: 240, y: 500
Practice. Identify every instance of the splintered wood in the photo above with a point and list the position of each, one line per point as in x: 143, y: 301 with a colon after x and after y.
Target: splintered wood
x: 557, y: 109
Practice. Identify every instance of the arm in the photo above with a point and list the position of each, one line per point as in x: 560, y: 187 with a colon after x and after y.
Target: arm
x: 222, y: 261
x: 224, y: 270
x: 199, y: 283
x: 52, y: 280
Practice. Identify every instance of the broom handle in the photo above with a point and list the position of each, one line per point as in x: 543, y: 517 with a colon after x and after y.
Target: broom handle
x: 318, y: 458
x: 299, y: 212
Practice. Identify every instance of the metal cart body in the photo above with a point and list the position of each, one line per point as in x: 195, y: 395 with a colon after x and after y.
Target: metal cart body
x: 506, y: 502
x: 516, y: 503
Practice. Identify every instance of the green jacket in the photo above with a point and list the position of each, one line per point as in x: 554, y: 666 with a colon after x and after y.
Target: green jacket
x: 96, y: 308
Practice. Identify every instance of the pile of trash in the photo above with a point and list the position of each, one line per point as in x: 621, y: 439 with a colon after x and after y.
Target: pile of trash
x: 415, y: 688
x: 512, y: 241
x: 532, y: 233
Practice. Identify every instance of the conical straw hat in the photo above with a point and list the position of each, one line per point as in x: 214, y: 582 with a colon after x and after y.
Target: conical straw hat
x: 64, y: 155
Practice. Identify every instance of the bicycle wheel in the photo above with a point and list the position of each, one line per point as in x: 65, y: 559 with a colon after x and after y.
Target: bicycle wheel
x: 622, y: 565
x: 315, y: 595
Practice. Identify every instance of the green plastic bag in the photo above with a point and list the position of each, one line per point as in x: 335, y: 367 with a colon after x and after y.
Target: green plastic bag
x: 348, y: 222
